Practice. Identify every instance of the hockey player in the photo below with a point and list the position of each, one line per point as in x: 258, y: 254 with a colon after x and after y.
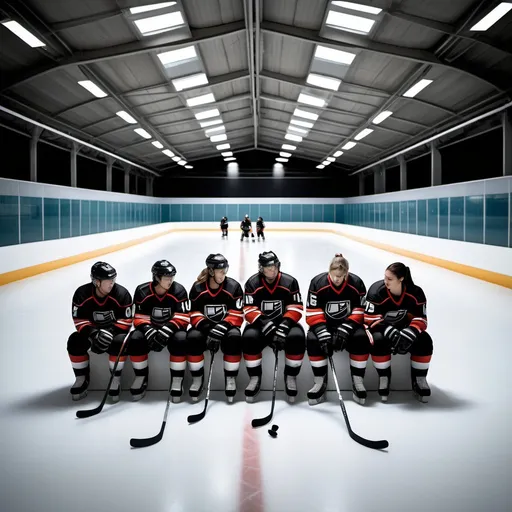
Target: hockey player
x: 216, y: 316
x: 246, y: 227
x: 273, y: 308
x: 396, y: 312
x: 260, y: 228
x: 102, y: 313
x: 224, y: 226
x: 335, y: 315
x: 161, y: 320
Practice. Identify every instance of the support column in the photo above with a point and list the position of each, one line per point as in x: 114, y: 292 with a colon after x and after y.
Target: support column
x: 36, y: 133
x: 110, y: 163
x: 436, y: 166
x: 403, y: 172
x: 379, y: 180
x: 507, y: 142
x: 74, y: 152
x: 361, y: 184
x: 137, y: 184
x: 149, y: 186
x: 127, y: 179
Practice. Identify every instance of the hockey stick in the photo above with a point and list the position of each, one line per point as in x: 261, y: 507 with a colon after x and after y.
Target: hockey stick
x: 259, y: 422
x: 377, y: 445
x: 92, y: 412
x: 150, y: 441
x: 194, y: 418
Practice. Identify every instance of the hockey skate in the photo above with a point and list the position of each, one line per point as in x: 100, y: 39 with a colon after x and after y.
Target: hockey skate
x: 196, y: 388
x: 230, y: 388
x: 358, y: 390
x: 139, y: 387
x: 176, y: 389
x: 316, y: 395
x: 420, y: 389
x: 253, y: 388
x: 115, y: 389
x: 79, y: 389
x: 384, y: 382
x: 290, y: 384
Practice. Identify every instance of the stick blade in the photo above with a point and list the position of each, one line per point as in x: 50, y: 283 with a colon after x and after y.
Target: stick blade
x: 89, y: 412
x: 194, y: 418
x: 259, y: 422
x: 376, y: 445
x: 148, y: 441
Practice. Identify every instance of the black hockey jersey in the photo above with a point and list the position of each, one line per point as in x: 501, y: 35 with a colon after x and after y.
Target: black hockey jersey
x: 246, y: 225
x: 331, y: 305
x: 279, y: 300
x: 157, y: 310
x: 224, y: 303
x: 379, y: 301
x: 260, y: 225
x: 224, y: 224
x: 113, y: 311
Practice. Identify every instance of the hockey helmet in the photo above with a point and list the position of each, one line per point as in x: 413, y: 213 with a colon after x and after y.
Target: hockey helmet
x: 267, y: 259
x: 224, y: 218
x: 246, y: 216
x: 260, y: 218
x: 163, y: 268
x: 215, y: 261
x: 101, y: 271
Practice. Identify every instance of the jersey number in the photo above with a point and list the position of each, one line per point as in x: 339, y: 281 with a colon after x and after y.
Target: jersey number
x: 249, y: 299
x: 297, y: 297
x: 312, y: 300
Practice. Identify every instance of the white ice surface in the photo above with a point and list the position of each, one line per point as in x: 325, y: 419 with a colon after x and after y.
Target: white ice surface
x: 452, y: 454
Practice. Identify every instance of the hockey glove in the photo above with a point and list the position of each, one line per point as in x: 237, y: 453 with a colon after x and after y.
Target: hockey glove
x: 150, y: 335
x: 392, y: 334
x: 279, y: 339
x: 163, y: 336
x: 101, y: 341
x: 268, y: 328
x: 205, y: 326
x: 324, y: 338
x: 343, y: 333
x: 407, y: 337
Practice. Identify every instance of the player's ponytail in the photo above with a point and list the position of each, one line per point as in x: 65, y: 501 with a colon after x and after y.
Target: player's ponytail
x: 203, y: 276
x: 400, y: 270
x: 339, y: 262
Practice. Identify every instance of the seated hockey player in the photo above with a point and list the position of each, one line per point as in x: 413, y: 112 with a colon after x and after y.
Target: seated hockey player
x: 102, y: 313
x: 273, y: 308
x: 161, y: 320
x: 335, y: 315
x: 260, y: 228
x: 224, y: 226
x: 216, y: 316
x: 246, y: 227
x: 396, y: 313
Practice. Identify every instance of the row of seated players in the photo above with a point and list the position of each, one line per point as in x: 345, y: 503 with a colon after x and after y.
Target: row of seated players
x: 246, y: 227
x: 391, y: 318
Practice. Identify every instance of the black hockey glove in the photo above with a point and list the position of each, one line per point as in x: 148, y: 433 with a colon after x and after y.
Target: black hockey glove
x: 150, y: 335
x: 268, y: 328
x: 324, y: 338
x: 216, y: 335
x: 407, y: 337
x: 101, y: 341
x: 343, y: 334
x: 163, y: 336
x: 279, y: 339
x: 205, y: 326
x: 392, y: 334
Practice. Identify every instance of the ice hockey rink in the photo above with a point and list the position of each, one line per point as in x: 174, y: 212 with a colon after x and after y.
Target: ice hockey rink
x: 452, y: 454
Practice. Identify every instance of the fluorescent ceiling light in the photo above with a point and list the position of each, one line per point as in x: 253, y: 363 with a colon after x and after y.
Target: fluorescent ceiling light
x: 320, y: 166
x: 285, y: 155
x: 189, y: 166
x: 304, y: 124
x: 331, y: 159
x: 168, y: 152
x: 219, y: 138
x: 349, y: 22
x: 210, y: 123
x: 92, y: 88
x: 205, y: 114
x: 23, y: 34
x: 337, y: 154
x: 158, y: 24
x: 190, y: 81
x: 358, y: 7
x: 489, y: 20
x: 227, y: 154
x: 298, y: 130
x: 282, y: 160
x: 176, y: 158
x: 306, y: 115
x: 295, y: 138
x: 159, y: 145
x: 325, y: 163
x: 209, y: 132
x: 382, y: 116
x: 221, y: 147
x: 201, y: 100
x: 416, y: 88
x: 311, y: 100
x: 362, y: 134
x: 288, y: 147
x: 154, y: 7
x: 229, y: 159
x: 174, y: 56
x: 332, y: 55
x: 127, y: 117
x: 349, y: 145
x: 142, y: 133
x: 323, y: 81
x: 182, y: 162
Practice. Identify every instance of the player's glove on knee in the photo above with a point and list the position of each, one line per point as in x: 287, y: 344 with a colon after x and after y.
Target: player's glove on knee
x: 279, y: 339
x: 324, y: 338
x: 101, y: 340
x: 407, y: 338
x: 392, y: 334
x: 151, y: 338
x: 268, y: 328
x: 216, y: 335
x: 343, y: 334
x: 163, y: 336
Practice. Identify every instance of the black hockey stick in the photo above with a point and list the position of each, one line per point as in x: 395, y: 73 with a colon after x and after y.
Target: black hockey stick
x: 194, y: 418
x: 92, y: 412
x: 150, y: 441
x: 377, y: 445
x: 259, y: 422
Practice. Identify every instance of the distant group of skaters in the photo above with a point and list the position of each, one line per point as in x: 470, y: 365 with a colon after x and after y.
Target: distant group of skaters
x: 246, y: 227
x: 390, y: 318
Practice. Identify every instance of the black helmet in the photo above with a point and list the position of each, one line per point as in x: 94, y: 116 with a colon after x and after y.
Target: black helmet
x: 260, y: 218
x: 163, y: 268
x: 224, y: 218
x: 267, y: 259
x: 215, y: 261
x: 101, y: 270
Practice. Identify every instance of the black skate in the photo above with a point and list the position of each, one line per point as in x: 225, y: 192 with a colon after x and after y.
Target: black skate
x: 316, y: 395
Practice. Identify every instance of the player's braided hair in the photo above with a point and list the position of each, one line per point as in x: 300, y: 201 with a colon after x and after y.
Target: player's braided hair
x: 400, y: 270
x: 339, y: 262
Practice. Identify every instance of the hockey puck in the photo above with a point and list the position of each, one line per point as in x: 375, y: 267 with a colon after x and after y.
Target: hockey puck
x: 272, y: 433
x: 275, y: 428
